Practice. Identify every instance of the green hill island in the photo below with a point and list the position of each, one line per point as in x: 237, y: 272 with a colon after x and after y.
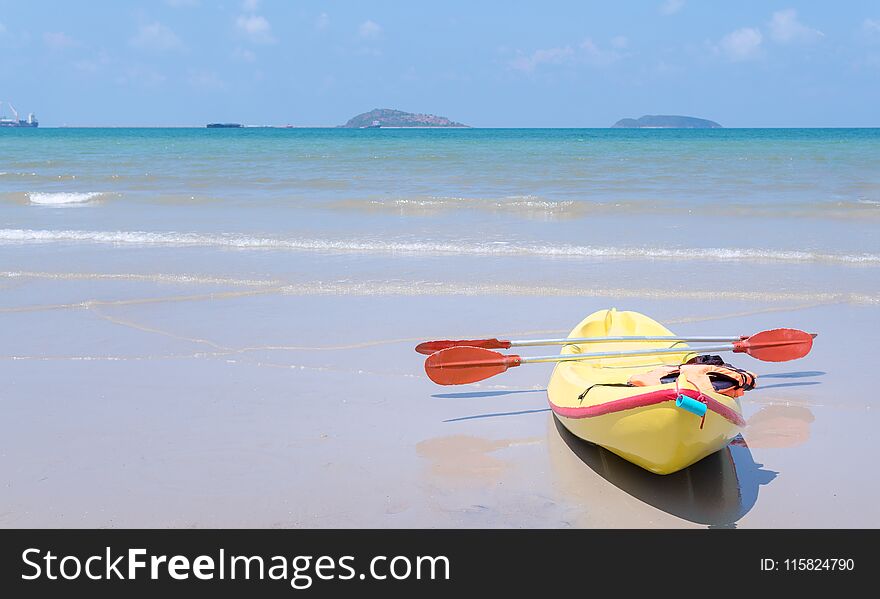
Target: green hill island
x: 661, y: 121
x: 387, y: 117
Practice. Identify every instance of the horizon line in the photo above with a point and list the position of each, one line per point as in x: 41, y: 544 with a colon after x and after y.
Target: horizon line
x: 288, y: 126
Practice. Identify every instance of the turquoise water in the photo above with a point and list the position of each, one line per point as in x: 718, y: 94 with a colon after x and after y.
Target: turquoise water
x: 795, y: 168
x: 800, y: 206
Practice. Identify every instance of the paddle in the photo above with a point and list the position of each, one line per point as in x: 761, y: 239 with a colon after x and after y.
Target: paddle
x: 429, y: 347
x: 460, y: 365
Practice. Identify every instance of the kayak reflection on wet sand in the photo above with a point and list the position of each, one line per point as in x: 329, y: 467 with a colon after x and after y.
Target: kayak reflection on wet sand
x: 717, y: 491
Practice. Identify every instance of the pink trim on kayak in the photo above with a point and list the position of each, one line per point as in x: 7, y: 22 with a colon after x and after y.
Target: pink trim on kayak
x: 647, y: 399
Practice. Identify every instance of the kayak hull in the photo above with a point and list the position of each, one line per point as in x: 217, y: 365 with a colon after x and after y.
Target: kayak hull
x: 640, y: 424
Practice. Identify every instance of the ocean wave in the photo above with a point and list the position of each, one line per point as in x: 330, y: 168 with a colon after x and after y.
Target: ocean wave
x: 61, y: 198
x: 537, y: 207
x: 528, y: 206
x: 176, y: 279
x: 442, y: 288
x: 438, y: 248
x: 19, y: 175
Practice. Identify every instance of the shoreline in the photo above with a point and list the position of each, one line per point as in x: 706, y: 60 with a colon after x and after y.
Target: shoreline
x: 239, y: 400
x: 491, y: 127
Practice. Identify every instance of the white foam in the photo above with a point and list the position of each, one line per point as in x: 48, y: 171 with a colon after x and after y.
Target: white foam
x: 501, y: 249
x: 437, y: 288
x: 60, y: 198
x: 533, y: 206
x: 152, y: 278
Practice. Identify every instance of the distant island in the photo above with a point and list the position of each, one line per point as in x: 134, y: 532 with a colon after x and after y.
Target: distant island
x: 223, y: 125
x: 660, y: 121
x: 387, y: 117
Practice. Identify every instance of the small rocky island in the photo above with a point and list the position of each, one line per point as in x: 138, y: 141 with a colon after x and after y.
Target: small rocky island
x: 661, y: 121
x: 387, y: 117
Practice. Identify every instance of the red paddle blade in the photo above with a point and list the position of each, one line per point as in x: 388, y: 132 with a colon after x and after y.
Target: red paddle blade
x: 460, y: 365
x: 429, y: 347
x: 776, y: 345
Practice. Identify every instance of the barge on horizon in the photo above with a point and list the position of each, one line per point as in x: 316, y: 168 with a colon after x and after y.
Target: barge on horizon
x: 15, y: 121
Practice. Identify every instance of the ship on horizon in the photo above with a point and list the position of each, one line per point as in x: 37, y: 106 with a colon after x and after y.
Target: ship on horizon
x: 15, y: 121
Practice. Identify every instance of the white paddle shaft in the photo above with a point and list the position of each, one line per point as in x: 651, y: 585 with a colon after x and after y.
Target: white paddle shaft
x: 578, y: 340
x: 624, y: 354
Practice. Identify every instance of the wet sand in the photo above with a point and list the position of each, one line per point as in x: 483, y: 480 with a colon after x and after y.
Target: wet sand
x: 151, y: 403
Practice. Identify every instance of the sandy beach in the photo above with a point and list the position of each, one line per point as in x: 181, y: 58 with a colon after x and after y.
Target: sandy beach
x: 159, y: 404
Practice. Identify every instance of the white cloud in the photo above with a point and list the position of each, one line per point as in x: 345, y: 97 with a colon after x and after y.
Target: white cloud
x: 205, y: 80
x: 870, y: 26
x: 742, y: 44
x: 2, y: 28
x: 666, y: 69
x: 594, y: 55
x: 785, y: 28
x: 369, y: 30
x: 528, y: 64
x: 244, y: 55
x: 93, y: 65
x: 156, y: 36
x: 670, y: 7
x: 139, y: 76
x: 255, y: 28
x: 587, y: 52
x: 59, y: 40
x: 86, y: 66
x: 250, y: 5
x: 181, y: 3
x: 322, y: 22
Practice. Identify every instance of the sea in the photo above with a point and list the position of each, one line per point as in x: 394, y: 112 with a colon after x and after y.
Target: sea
x: 790, y: 214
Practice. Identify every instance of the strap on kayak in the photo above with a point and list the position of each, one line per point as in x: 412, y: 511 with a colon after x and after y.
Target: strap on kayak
x: 588, y: 389
x: 698, y: 406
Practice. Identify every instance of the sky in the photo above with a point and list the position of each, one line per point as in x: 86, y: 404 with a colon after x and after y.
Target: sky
x: 750, y: 63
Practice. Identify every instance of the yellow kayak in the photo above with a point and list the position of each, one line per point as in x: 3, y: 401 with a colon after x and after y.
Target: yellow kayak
x: 643, y: 425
